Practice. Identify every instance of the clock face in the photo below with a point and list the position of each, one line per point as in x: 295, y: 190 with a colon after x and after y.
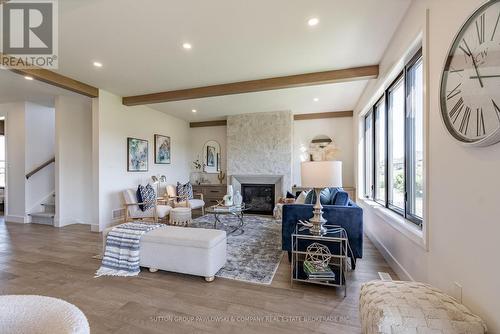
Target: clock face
x: 470, y: 85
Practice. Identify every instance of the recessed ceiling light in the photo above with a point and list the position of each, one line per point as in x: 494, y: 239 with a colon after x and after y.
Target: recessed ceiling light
x: 28, y: 77
x: 313, y: 21
x: 97, y: 64
x: 194, y: 110
x: 187, y: 46
x: 315, y: 99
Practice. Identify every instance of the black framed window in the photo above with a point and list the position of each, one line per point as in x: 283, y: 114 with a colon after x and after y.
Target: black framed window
x: 380, y: 152
x: 394, y: 142
x: 396, y: 149
x: 369, y: 156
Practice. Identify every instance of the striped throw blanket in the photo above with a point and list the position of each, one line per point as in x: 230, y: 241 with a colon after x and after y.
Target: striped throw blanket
x: 121, y: 256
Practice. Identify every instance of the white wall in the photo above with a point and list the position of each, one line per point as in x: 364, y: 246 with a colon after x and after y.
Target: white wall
x: 113, y: 123
x: 15, y: 156
x: 199, y: 136
x: 462, y: 183
x: 73, y: 154
x: 40, y: 138
x: 339, y: 129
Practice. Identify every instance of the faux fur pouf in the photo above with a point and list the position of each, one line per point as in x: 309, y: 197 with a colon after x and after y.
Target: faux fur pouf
x: 40, y: 315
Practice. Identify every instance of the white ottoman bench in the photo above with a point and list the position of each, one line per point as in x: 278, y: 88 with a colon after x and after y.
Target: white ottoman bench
x: 393, y: 307
x: 193, y: 251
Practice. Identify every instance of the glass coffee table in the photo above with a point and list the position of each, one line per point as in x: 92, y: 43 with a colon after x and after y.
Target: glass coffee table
x: 236, y: 211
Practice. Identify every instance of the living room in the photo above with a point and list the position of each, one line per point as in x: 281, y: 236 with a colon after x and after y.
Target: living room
x: 217, y: 166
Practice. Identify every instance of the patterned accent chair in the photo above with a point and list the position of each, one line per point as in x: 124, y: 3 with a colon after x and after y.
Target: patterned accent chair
x: 133, y: 212
x: 178, y: 201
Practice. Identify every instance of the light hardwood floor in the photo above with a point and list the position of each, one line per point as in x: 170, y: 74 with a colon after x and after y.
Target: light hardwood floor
x: 43, y: 260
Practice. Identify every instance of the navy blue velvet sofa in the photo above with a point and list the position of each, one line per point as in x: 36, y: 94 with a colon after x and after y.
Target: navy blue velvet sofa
x: 338, y: 209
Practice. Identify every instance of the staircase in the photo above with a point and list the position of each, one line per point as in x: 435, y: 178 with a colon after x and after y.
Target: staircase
x: 45, y: 217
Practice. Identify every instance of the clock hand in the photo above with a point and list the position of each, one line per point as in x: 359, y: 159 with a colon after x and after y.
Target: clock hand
x: 485, y: 76
x: 474, y: 63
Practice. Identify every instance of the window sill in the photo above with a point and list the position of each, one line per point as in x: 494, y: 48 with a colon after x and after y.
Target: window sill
x: 399, y: 223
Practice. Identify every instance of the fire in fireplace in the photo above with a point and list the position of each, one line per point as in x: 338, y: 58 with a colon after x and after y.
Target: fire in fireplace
x: 260, y: 198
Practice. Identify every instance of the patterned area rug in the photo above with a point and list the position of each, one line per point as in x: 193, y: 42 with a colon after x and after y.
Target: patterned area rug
x: 253, y: 256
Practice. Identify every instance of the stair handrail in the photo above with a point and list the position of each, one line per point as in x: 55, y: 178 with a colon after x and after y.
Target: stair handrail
x: 39, y: 168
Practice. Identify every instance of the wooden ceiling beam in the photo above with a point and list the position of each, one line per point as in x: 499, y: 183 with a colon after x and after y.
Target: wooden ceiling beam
x: 297, y: 117
x: 321, y: 115
x: 57, y: 80
x: 299, y: 80
x: 208, y: 123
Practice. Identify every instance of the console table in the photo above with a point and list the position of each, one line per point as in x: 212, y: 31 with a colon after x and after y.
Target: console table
x: 211, y: 192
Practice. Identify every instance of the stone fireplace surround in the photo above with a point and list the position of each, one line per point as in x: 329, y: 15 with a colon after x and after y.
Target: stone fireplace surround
x: 259, y: 150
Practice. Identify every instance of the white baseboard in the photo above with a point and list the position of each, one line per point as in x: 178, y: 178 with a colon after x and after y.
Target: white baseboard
x: 94, y: 228
x: 16, y: 219
x: 391, y: 260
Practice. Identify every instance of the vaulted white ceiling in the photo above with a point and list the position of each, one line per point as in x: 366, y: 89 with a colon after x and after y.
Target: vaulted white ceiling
x: 140, y: 46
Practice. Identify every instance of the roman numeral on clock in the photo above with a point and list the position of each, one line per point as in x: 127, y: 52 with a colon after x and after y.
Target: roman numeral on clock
x: 454, y: 92
x: 480, y: 129
x: 480, y: 28
x: 464, y: 125
x: 497, y: 109
x: 457, y: 109
x: 496, y: 26
x: 467, y: 51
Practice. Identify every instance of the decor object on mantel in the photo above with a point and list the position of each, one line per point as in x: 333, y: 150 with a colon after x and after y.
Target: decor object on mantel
x: 319, y: 175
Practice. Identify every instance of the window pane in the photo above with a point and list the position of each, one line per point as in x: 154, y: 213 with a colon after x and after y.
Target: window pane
x: 396, y: 152
x: 369, y: 156
x: 416, y: 139
x: 380, y: 132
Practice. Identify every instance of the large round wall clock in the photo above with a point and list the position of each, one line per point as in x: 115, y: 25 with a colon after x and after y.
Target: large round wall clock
x: 470, y: 83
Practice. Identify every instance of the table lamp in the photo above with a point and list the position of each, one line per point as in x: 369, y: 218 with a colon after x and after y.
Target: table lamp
x: 319, y: 175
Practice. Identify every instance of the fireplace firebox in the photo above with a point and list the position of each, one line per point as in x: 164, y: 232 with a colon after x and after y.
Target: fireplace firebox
x: 259, y: 197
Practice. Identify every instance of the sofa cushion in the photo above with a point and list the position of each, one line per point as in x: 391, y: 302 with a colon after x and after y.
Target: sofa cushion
x: 301, y: 198
x: 324, y: 197
x: 341, y: 198
x: 185, y: 236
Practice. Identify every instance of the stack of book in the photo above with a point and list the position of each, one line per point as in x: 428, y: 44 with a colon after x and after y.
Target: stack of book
x: 315, y: 272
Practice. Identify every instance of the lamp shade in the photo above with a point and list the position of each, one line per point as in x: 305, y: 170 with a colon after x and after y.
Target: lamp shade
x: 321, y: 174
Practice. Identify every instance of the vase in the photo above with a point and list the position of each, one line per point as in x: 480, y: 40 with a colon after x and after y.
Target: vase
x: 238, y: 199
x: 230, y: 190
x: 228, y: 200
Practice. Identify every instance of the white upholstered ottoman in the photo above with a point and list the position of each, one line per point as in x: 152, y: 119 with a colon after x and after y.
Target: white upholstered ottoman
x: 394, y: 307
x: 193, y: 251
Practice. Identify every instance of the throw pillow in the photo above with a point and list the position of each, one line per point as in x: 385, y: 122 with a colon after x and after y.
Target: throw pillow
x: 301, y: 199
x: 342, y: 198
x: 183, y: 191
x: 289, y: 195
x: 139, y: 196
x: 324, y: 197
x: 148, y: 197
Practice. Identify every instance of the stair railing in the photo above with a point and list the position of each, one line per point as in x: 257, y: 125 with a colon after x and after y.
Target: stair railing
x: 39, y: 168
